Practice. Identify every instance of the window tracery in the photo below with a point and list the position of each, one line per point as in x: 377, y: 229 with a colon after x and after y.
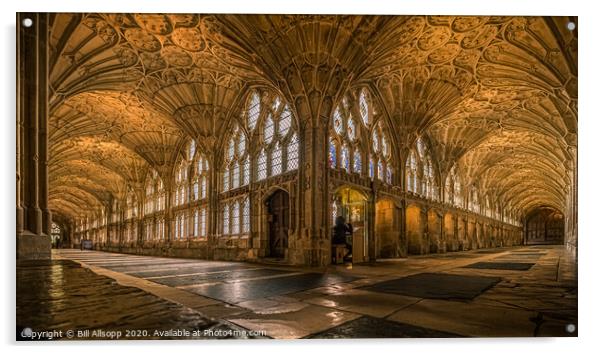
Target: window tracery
x: 359, y: 135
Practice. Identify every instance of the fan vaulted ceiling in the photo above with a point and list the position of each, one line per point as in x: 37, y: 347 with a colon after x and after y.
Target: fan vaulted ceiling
x: 496, y: 95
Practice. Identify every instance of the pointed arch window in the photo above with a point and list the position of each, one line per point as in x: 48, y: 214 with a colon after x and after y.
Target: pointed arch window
x: 154, y: 193
x: 236, y: 165
x: 131, y: 204
x: 236, y: 216
x: 453, y: 188
x: 181, y: 183
x: 358, y: 134
x: 425, y: 175
x: 278, y: 150
x: 268, y: 120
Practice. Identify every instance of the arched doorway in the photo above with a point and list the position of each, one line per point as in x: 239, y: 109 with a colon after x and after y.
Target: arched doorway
x: 351, y: 205
x: 278, y: 223
x: 56, y: 235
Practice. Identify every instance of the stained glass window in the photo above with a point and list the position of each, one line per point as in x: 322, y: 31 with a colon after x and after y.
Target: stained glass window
x: 332, y: 153
x: 357, y: 162
x: 389, y: 175
x: 338, y: 121
x: 345, y: 158
x: 351, y: 128
x: 346, y: 135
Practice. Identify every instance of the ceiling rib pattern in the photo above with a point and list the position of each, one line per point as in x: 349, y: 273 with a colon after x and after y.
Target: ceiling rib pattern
x: 496, y: 96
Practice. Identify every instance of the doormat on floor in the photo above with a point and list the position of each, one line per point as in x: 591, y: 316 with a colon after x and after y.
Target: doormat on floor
x: 501, y: 265
x: 437, y: 286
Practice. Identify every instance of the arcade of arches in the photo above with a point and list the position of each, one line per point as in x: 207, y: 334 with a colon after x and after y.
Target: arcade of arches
x: 242, y: 137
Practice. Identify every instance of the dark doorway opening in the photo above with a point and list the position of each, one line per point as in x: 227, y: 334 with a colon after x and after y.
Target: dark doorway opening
x: 278, y: 223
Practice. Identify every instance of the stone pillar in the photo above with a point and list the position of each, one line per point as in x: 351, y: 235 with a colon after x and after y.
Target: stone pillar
x: 403, y: 239
x: 371, y: 224
x: 315, y: 236
x: 213, y: 209
x: 34, y: 220
x: 570, y: 234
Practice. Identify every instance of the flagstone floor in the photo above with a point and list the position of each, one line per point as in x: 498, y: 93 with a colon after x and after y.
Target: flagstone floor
x: 509, y: 292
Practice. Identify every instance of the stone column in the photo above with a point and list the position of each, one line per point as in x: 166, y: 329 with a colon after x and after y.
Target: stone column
x: 313, y: 195
x: 213, y: 210
x: 403, y: 238
x: 33, y: 217
x: 371, y: 224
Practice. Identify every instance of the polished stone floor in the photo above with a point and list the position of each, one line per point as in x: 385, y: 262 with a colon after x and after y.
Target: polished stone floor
x: 509, y: 292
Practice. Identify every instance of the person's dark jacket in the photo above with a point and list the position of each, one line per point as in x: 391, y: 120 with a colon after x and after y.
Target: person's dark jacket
x: 340, y: 231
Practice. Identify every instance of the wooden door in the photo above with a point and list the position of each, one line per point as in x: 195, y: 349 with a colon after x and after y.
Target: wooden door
x: 278, y: 219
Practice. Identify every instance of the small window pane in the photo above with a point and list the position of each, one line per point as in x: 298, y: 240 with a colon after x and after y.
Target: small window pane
x: 363, y: 102
x: 203, y: 226
x: 235, y: 175
x: 292, y: 161
x: 285, y: 121
x: 268, y: 131
x: 332, y: 154
x: 246, y: 216
x: 226, y: 179
x: 261, y: 165
x: 231, y: 150
x: 241, y: 144
x: 337, y: 121
x: 254, y: 106
x: 226, y: 220
x: 236, y: 218
x: 276, y: 160
x: 203, y: 187
x: 351, y: 128
x: 246, y: 171
x: 357, y: 162
x: 345, y: 158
